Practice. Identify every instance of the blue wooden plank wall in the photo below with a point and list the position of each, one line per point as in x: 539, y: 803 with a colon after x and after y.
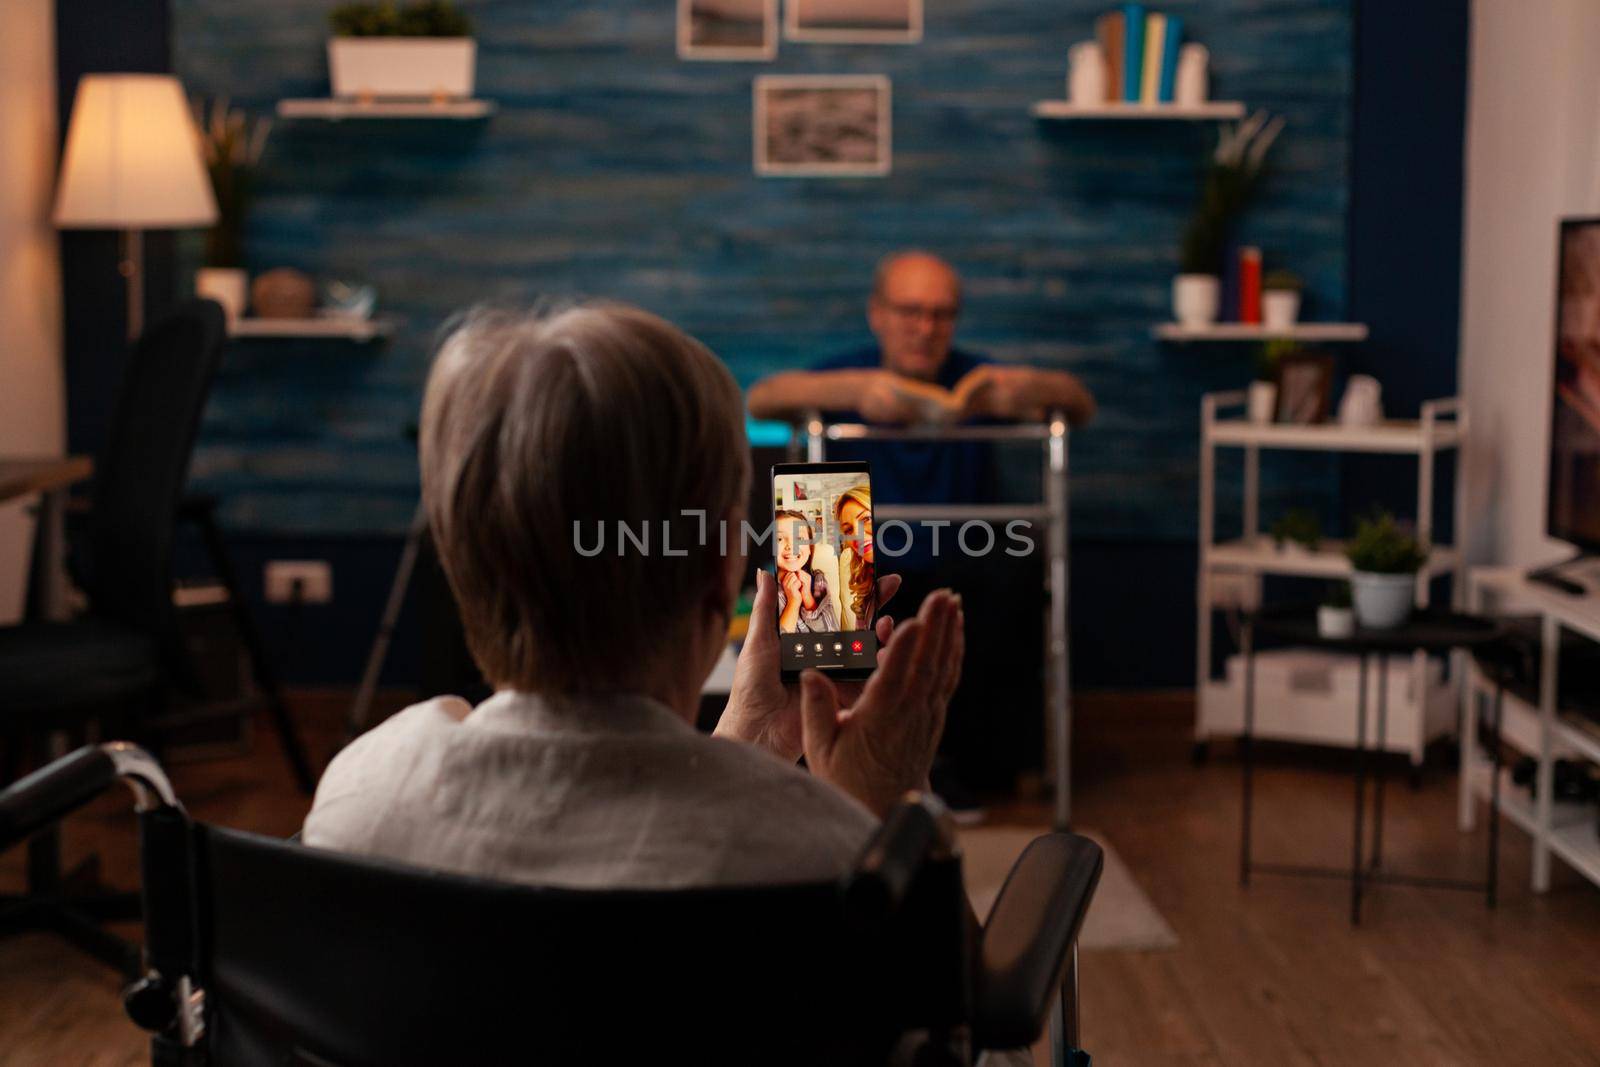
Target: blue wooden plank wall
x: 614, y: 169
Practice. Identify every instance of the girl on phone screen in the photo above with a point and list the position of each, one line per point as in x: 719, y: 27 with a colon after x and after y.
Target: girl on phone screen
x: 803, y: 605
x: 853, y: 511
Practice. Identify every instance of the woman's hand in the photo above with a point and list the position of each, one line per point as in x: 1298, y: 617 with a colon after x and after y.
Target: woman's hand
x: 761, y: 709
x: 883, y: 744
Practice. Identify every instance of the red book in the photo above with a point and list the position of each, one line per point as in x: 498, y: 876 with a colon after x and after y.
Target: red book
x: 1249, y: 284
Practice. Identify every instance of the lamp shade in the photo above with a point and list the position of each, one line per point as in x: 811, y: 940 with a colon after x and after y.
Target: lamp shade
x: 133, y: 158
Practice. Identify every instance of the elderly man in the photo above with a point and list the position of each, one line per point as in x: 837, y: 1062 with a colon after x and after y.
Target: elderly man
x: 915, y: 374
x: 584, y: 767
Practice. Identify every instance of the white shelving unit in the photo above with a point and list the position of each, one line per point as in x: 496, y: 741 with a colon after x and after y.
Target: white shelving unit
x: 1327, y: 332
x: 335, y: 109
x: 329, y: 328
x: 1210, y: 110
x: 1305, y: 695
x: 1543, y: 731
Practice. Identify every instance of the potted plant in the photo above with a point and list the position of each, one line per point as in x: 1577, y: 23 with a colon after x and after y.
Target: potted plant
x: 1385, y: 559
x: 1280, y: 299
x: 1335, y: 619
x: 231, y: 143
x: 379, y: 50
x: 1231, y: 173
x: 1298, y: 528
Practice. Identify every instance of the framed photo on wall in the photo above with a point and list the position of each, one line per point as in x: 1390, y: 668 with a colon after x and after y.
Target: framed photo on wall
x: 1305, y: 388
x: 853, y: 21
x: 822, y: 125
x: 728, y: 29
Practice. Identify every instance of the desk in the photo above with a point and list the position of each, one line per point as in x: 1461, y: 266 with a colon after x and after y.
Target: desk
x: 1050, y: 510
x: 1542, y: 731
x: 47, y: 584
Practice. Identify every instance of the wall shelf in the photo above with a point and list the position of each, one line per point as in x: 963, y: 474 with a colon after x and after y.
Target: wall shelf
x: 1401, y: 436
x: 1115, y: 110
x: 1261, y: 555
x: 335, y: 110
x: 328, y: 327
x: 1254, y: 331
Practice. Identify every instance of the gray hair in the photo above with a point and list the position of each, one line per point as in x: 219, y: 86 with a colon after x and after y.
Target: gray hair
x: 535, y: 421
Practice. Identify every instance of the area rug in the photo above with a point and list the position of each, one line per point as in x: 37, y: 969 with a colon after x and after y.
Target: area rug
x: 1120, y: 917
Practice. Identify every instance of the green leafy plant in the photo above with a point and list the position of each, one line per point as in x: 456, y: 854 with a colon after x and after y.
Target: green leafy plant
x: 1299, y: 525
x: 231, y: 142
x: 426, y: 18
x: 1282, y: 281
x: 1382, y: 546
x: 1337, y: 595
x: 1231, y: 174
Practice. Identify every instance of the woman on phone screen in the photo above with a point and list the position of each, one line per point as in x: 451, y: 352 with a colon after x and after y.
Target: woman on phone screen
x: 803, y: 605
x: 853, y: 511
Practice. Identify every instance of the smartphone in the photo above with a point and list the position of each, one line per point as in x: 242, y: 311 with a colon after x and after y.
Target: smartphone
x: 822, y: 554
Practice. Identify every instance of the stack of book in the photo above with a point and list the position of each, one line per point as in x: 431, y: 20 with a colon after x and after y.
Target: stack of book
x: 1141, y: 50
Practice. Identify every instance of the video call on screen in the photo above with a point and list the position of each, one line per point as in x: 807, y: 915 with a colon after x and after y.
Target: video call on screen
x: 824, y: 561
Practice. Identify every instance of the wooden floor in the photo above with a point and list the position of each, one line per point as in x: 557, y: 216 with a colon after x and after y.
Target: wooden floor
x: 1272, y: 974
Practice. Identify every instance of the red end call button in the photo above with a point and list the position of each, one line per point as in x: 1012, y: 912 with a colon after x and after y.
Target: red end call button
x: 856, y: 646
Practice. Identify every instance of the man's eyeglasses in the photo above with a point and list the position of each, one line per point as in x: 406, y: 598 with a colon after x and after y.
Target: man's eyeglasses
x: 940, y: 316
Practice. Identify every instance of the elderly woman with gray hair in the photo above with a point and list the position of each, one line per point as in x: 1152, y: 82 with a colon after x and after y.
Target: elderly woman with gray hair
x: 584, y: 767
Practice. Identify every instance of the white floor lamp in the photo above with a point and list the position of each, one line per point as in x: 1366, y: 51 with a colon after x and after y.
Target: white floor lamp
x: 132, y: 163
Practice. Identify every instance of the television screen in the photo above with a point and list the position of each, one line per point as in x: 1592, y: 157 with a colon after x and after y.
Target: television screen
x: 1574, y: 510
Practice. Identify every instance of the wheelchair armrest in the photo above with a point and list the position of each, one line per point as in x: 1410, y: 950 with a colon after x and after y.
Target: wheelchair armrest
x: 35, y: 801
x: 1029, y: 937
x: 919, y: 827
x: 57, y: 789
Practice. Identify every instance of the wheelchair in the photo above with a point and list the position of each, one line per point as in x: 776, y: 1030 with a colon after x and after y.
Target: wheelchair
x: 260, y: 950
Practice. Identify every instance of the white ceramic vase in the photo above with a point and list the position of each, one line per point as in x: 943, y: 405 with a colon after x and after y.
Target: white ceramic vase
x: 402, y: 67
x: 1335, y: 622
x: 228, y: 286
x: 1192, y: 75
x: 1382, y: 601
x: 1263, y: 402
x: 1195, y: 299
x: 1086, y: 84
x: 1280, y: 308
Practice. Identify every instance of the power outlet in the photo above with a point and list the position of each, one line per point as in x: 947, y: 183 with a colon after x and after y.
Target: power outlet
x: 315, y: 577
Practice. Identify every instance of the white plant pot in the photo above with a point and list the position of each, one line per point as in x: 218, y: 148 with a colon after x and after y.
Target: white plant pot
x: 402, y: 67
x: 228, y: 286
x: 1382, y: 601
x: 1280, y: 308
x: 1263, y: 402
x: 1334, y: 622
x: 1195, y: 299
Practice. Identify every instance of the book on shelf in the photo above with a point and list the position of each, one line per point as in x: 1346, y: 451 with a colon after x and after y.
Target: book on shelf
x: 1250, y: 284
x: 1170, y: 40
x: 1155, y: 31
x: 1108, y: 30
x: 1132, y: 51
x: 1141, y: 54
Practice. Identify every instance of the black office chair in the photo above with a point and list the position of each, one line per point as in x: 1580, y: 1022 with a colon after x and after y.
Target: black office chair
x: 114, y: 664
x: 260, y: 950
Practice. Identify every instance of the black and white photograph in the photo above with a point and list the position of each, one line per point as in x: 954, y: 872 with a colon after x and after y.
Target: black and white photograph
x: 822, y: 125
x: 728, y: 29
x: 854, y: 21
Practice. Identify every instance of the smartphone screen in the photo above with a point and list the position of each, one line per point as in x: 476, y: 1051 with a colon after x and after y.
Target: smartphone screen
x: 823, y: 558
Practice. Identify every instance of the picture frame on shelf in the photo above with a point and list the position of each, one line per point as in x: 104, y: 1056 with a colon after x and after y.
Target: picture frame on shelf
x: 853, y: 21
x: 1305, y: 388
x: 822, y: 126
x: 728, y: 30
